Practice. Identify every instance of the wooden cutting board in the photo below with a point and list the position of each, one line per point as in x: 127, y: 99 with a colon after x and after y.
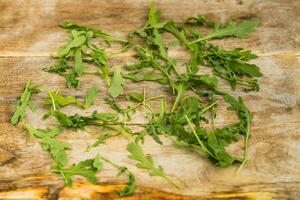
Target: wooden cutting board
x: 29, y: 33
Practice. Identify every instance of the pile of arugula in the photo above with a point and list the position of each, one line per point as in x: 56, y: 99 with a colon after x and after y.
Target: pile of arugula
x: 196, y: 95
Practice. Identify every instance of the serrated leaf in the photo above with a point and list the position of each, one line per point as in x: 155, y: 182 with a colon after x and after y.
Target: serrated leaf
x: 90, y: 96
x: 116, y: 86
x: 134, y: 96
x: 40, y: 133
x: 84, y: 168
x: 232, y: 29
x: 249, y: 69
x: 23, y: 103
x: 60, y: 100
x: 97, y: 164
x: 56, y: 149
x: 78, y: 63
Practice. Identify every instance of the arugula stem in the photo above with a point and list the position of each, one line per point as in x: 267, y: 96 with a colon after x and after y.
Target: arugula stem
x: 245, y: 159
x: 167, y: 75
x: 179, y: 96
x: 139, y: 104
x: 198, y: 139
x: 201, y: 39
x: 92, y: 73
x: 113, y: 164
x: 115, y: 38
x: 209, y: 106
x: 52, y: 100
x: 123, y: 132
x: 171, y: 181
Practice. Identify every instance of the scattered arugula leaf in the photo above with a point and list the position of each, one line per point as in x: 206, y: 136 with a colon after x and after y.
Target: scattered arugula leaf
x: 56, y: 148
x: 19, y: 114
x: 78, y: 121
x: 87, y: 168
x: 90, y: 96
x: 60, y: 100
x: 146, y: 162
x: 134, y: 96
x: 231, y: 29
x: 116, y: 86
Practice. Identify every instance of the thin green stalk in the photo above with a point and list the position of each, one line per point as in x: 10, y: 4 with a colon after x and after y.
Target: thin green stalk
x: 198, y: 139
x: 52, y: 100
x: 179, y: 96
x: 245, y: 159
x: 139, y: 104
x: 201, y: 39
x: 209, y: 106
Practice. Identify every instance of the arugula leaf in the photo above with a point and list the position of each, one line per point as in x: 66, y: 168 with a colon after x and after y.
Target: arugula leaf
x: 59, y: 67
x: 202, y: 20
x: 223, y: 159
x: 100, y: 140
x: 232, y: 29
x: 96, y: 32
x: 78, y: 67
x: 99, y: 57
x: 134, y: 96
x: 146, y: 162
x: 114, y: 105
x: 78, y: 39
x: 87, y: 168
x: 90, y: 96
x: 77, y: 121
x: 62, y: 68
x: 19, y: 114
x: 116, y: 86
x: 60, y: 100
x: 97, y: 164
x: 130, y: 186
x: 250, y: 69
x: 56, y: 148
x: 245, y: 121
x: 72, y: 80
x: 39, y: 133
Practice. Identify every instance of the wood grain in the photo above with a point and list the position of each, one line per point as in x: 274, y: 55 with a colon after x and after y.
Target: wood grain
x: 29, y: 34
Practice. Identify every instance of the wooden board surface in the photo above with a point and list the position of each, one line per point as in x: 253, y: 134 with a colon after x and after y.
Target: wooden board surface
x: 29, y: 34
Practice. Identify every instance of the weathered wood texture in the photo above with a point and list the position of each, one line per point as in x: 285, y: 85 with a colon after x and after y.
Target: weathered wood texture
x: 29, y: 34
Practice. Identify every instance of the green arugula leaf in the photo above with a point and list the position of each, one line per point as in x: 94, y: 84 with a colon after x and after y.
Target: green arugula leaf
x: 100, y: 140
x: 78, y: 67
x: 72, y: 80
x: 249, y: 69
x: 87, y: 168
x: 56, y: 148
x: 62, y: 68
x: 78, y: 39
x: 146, y: 162
x: 134, y: 96
x: 130, y: 186
x: 114, y: 105
x: 232, y: 29
x: 19, y: 114
x: 97, y: 164
x: 60, y: 100
x: 77, y: 121
x: 116, y: 86
x: 40, y: 133
x: 93, y: 32
x: 90, y: 96
x: 202, y: 20
x: 245, y: 121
